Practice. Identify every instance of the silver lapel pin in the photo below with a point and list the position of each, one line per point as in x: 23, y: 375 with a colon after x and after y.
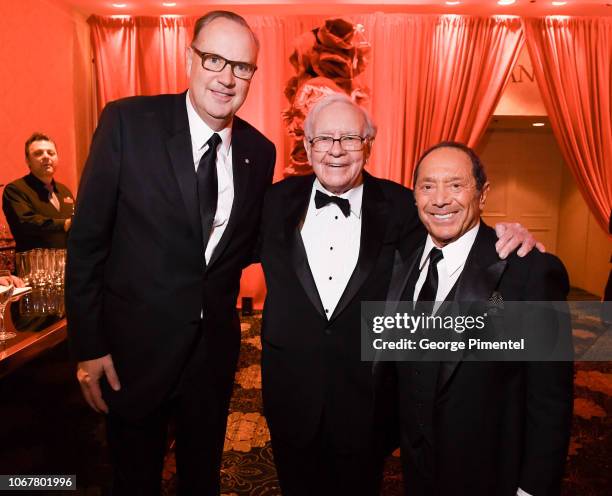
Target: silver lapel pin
x: 246, y: 161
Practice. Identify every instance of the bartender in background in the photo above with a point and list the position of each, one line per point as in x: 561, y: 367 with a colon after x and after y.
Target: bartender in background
x: 38, y: 209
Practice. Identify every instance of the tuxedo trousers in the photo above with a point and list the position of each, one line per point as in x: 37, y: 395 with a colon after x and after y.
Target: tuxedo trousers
x: 320, y: 469
x: 199, y: 416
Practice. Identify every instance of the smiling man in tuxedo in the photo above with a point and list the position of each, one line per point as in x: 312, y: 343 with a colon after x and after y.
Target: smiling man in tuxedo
x: 168, y: 214
x: 478, y: 428
x: 327, y: 244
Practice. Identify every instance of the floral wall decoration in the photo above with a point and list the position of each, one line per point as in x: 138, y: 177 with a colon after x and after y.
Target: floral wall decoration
x: 328, y: 59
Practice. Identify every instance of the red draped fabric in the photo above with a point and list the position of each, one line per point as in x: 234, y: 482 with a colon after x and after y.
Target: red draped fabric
x: 139, y: 55
x: 435, y: 78
x: 572, y: 61
x: 431, y: 78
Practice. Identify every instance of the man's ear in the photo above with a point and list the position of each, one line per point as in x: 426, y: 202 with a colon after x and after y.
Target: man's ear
x: 188, y: 61
x: 483, y: 195
x: 367, y: 150
x: 308, y: 149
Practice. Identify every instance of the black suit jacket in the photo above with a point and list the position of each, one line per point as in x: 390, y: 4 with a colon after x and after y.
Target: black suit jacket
x: 311, y: 366
x: 34, y: 221
x: 487, y: 428
x: 136, y: 279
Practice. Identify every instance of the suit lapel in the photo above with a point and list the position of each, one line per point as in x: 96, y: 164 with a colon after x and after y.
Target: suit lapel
x: 178, y: 146
x: 297, y: 202
x: 403, y: 268
x: 241, y: 167
x: 480, y: 277
x: 483, y: 268
x: 374, y: 215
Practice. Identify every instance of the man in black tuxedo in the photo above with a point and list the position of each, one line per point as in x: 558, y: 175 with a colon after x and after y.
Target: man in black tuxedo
x: 168, y: 214
x: 327, y: 244
x: 38, y: 208
x: 477, y: 428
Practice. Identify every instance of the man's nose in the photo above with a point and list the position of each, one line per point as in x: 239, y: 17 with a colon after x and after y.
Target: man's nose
x: 226, y: 76
x: 441, y: 197
x: 336, y: 149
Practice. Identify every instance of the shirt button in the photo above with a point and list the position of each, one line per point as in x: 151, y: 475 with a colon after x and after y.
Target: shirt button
x: 327, y: 310
x: 330, y: 278
x: 336, y: 217
x: 331, y: 247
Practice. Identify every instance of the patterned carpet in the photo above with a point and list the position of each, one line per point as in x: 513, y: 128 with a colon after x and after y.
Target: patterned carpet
x: 46, y: 428
x: 248, y: 468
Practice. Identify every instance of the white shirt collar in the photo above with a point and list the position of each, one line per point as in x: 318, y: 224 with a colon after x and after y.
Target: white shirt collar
x: 201, y: 132
x: 354, y: 196
x: 455, y: 253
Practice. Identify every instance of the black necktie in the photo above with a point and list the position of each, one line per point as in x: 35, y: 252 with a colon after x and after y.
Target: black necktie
x: 427, y: 296
x: 207, y: 187
x: 321, y: 199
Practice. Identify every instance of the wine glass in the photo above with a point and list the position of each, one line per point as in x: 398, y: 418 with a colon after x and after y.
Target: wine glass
x: 38, y: 267
x: 6, y: 292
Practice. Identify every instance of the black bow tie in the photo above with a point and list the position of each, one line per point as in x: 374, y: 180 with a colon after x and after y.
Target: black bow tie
x: 321, y: 199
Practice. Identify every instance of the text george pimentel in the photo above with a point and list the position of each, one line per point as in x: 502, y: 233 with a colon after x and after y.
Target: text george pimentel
x: 428, y: 344
x: 457, y: 323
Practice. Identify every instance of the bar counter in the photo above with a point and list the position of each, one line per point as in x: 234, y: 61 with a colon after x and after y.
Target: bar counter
x: 38, y: 318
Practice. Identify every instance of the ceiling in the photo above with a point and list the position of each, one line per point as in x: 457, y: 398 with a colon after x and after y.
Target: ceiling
x: 479, y: 7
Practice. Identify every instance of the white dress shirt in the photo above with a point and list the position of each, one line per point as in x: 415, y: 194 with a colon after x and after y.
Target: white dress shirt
x: 450, y: 267
x: 332, y: 244
x: 200, y: 134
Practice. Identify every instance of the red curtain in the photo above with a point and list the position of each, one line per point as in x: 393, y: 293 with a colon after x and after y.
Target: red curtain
x: 431, y: 78
x: 572, y: 61
x: 139, y: 55
x: 435, y: 78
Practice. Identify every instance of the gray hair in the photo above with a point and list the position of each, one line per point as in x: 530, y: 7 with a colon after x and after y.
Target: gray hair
x: 203, y: 21
x: 370, y: 127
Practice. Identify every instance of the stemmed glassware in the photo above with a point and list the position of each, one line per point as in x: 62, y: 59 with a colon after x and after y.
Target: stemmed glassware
x: 42, y: 268
x: 23, y: 266
x: 6, y: 292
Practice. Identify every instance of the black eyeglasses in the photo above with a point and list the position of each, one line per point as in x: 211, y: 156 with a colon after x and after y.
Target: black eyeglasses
x: 349, y: 143
x: 216, y: 63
